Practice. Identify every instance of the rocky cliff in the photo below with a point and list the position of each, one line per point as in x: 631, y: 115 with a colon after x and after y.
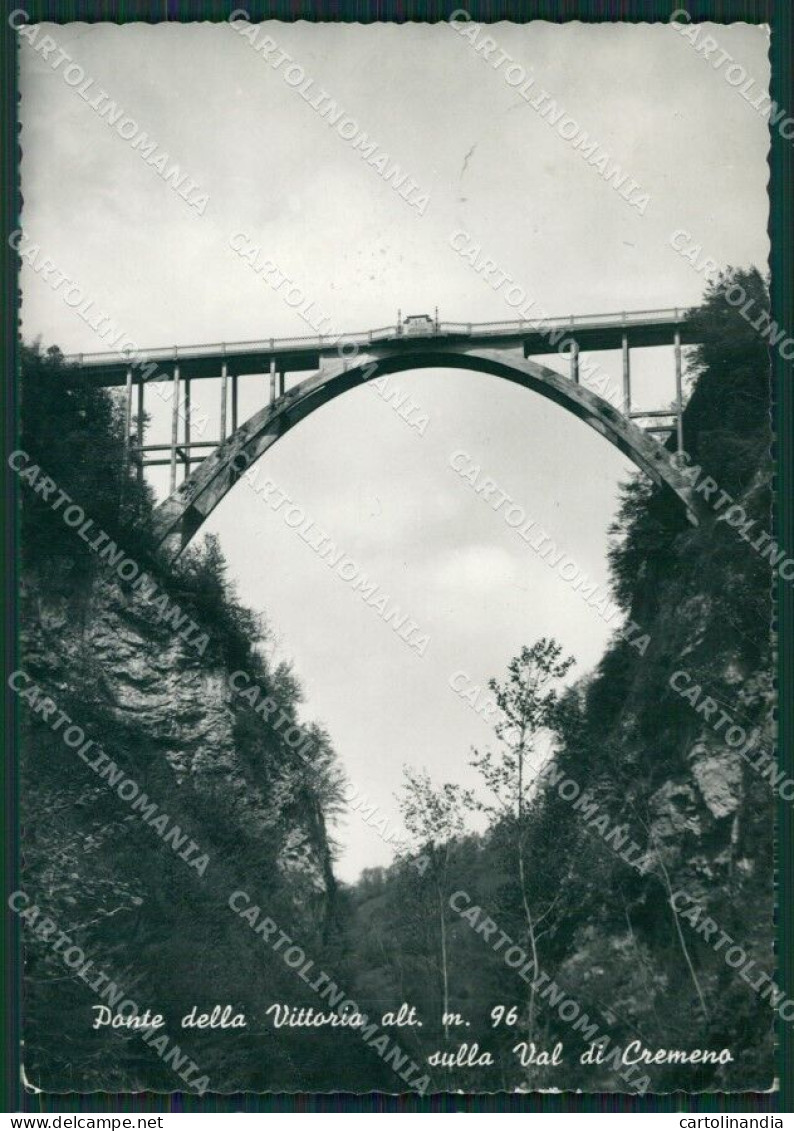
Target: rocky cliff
x: 650, y: 840
x: 178, y: 792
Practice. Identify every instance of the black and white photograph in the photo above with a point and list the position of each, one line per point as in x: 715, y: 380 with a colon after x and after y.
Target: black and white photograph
x: 395, y: 682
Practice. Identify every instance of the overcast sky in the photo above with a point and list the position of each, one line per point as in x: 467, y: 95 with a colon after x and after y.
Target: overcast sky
x: 274, y: 169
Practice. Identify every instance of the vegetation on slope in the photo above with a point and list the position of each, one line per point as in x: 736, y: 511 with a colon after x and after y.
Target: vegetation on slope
x: 600, y: 924
x: 601, y: 927
x: 165, y: 715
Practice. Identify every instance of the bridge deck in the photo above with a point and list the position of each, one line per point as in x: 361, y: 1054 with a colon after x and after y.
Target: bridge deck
x: 591, y: 332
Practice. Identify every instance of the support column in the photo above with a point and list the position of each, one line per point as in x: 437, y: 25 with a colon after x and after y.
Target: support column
x: 174, y: 425
x: 626, y: 376
x: 272, y: 379
x: 234, y: 402
x: 187, y: 427
x: 679, y: 393
x: 127, y: 428
x: 140, y: 429
x: 224, y: 395
x: 575, y: 363
x: 281, y: 383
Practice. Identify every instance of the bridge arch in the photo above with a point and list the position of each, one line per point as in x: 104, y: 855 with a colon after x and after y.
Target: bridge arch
x: 178, y: 518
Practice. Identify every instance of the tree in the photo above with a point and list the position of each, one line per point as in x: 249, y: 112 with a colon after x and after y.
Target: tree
x: 433, y: 817
x: 74, y: 431
x: 527, y: 701
x: 321, y: 801
x: 727, y: 431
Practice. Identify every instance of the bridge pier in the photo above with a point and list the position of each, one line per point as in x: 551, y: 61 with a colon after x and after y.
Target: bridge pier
x: 224, y: 395
x: 128, y: 422
x: 234, y: 402
x: 125, y: 469
x: 187, y: 427
x: 626, y: 375
x: 679, y: 396
x: 174, y: 425
x: 140, y: 429
x: 575, y: 362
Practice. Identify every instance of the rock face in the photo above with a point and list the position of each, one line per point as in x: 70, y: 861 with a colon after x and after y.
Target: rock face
x: 171, y: 705
x: 149, y: 911
x: 720, y: 781
x: 702, y: 812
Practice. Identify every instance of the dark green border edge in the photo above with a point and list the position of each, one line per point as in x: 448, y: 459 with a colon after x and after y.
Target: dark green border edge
x: 14, y: 1097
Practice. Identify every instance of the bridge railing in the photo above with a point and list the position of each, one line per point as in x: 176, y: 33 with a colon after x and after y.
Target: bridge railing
x: 321, y: 342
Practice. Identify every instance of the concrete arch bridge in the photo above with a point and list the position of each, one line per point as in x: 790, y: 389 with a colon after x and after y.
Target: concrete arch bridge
x: 209, y: 469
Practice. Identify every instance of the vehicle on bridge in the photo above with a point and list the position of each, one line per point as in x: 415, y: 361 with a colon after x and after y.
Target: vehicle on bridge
x: 418, y: 325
